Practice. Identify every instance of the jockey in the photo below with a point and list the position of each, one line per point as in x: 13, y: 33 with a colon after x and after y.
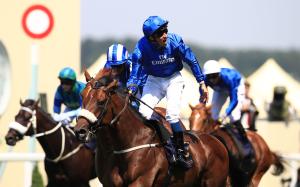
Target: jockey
x: 161, y: 54
x: 118, y: 59
x: 249, y: 109
x: 226, y: 83
x: 67, y: 93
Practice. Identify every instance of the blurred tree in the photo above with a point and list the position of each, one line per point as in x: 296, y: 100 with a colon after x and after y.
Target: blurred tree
x: 246, y: 61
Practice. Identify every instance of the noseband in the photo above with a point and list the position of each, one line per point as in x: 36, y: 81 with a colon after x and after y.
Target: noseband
x: 97, y: 121
x: 21, y: 128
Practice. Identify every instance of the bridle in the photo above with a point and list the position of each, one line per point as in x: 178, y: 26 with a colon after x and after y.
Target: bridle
x: 22, y: 129
x: 32, y: 121
x: 95, y: 122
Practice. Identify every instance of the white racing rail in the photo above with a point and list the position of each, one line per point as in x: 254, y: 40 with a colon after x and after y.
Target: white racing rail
x: 22, y: 157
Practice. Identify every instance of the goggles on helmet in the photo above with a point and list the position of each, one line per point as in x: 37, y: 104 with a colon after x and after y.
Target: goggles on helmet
x: 66, y: 82
x: 212, y: 76
x: 160, y: 32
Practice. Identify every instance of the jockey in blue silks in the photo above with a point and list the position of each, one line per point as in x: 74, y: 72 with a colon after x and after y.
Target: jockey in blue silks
x: 160, y: 54
x: 67, y: 93
x: 226, y: 83
x: 118, y: 59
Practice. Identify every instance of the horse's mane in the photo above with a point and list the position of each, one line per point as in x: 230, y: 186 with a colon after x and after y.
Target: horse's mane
x: 46, y: 114
x: 104, y: 75
x: 208, y: 124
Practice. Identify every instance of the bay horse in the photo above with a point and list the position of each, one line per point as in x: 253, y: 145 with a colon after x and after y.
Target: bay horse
x: 64, y: 153
x: 200, y: 120
x: 136, y: 155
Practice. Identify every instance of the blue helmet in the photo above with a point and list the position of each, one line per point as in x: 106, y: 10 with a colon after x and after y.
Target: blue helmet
x: 117, y: 54
x: 67, y: 73
x: 152, y: 24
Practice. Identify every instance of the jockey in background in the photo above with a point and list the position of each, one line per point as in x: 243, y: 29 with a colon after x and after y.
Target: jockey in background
x: 226, y: 83
x: 67, y: 93
x: 249, y: 109
x: 118, y: 59
x: 161, y: 54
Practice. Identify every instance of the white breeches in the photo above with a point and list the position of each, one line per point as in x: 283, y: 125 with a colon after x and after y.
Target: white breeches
x: 219, y: 99
x: 156, y: 88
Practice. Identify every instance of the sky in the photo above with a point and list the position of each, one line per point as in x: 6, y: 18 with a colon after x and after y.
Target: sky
x: 265, y: 24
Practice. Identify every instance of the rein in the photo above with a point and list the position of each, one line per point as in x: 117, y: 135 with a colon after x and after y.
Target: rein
x: 139, y: 100
x: 33, y: 121
x: 94, y: 120
x: 136, y: 148
x: 97, y: 120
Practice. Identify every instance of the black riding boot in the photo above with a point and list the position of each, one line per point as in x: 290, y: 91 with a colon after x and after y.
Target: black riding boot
x: 165, y: 138
x: 183, y: 157
x: 242, y: 131
x: 248, y: 153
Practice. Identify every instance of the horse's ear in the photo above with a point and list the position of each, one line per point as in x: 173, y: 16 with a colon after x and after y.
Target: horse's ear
x: 191, y: 107
x: 87, y: 76
x: 37, y: 103
x: 21, y: 102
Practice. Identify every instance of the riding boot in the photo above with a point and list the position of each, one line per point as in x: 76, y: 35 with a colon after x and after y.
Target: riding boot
x: 162, y: 132
x: 183, y: 157
x: 170, y: 151
x: 241, y: 131
x: 165, y: 138
x: 248, y: 159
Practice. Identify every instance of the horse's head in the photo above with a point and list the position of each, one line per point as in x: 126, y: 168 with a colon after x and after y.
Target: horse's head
x: 96, y: 97
x: 23, y: 122
x: 200, y: 119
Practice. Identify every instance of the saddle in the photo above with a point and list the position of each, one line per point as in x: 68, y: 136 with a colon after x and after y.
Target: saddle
x: 246, y: 153
x: 177, y: 151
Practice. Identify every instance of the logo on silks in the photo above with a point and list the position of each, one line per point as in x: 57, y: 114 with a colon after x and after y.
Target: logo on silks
x: 163, y: 59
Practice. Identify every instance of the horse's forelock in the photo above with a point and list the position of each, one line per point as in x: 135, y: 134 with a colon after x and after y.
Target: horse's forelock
x: 103, y: 73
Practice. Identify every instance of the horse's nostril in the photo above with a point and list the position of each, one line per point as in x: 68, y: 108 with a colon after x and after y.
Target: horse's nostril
x: 81, y: 134
x: 10, y: 141
x: 82, y: 131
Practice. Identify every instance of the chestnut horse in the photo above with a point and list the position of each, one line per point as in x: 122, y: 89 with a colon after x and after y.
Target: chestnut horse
x: 136, y: 155
x: 64, y: 153
x: 200, y: 120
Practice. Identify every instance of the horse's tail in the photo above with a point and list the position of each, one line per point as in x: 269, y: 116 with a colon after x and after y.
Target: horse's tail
x: 277, y: 161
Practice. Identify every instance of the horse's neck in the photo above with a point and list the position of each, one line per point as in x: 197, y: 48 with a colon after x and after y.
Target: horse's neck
x: 130, y: 131
x: 210, y: 126
x: 51, y: 143
x: 43, y: 122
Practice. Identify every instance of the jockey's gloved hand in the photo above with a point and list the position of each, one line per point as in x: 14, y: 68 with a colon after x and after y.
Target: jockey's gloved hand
x: 61, y: 117
x: 132, y: 89
x: 222, y: 118
x: 66, y: 122
x: 56, y: 117
x: 135, y: 104
x: 203, y: 93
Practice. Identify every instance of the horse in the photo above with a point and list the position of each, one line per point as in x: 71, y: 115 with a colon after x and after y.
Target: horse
x: 136, y: 156
x: 200, y: 120
x: 64, y: 153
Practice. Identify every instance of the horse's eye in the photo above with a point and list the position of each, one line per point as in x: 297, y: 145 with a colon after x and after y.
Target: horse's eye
x: 97, y: 85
